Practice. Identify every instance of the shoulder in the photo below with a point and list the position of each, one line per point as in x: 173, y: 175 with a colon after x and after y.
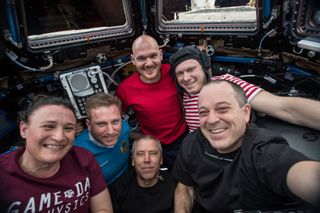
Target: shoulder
x: 257, y: 138
x: 125, y: 127
x: 81, y: 155
x: 125, y: 132
x: 192, y: 143
x: 165, y: 68
x: 224, y: 77
x: 128, y: 86
x: 124, y: 181
x: 82, y: 137
x: 168, y: 177
x: 195, y: 136
x: 9, y: 159
x: 127, y: 82
x: 259, y: 134
x: 79, y: 151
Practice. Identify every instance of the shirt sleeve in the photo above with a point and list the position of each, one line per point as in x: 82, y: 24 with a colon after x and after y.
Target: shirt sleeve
x: 251, y: 90
x: 272, y: 168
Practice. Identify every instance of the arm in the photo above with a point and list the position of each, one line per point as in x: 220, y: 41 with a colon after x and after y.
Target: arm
x: 101, y: 203
x: 183, y: 198
x: 303, y: 180
x: 296, y: 110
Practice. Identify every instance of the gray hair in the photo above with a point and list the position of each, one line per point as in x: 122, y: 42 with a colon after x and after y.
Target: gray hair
x: 146, y: 137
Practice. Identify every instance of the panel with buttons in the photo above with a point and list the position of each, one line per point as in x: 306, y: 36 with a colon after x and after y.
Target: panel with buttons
x: 81, y: 83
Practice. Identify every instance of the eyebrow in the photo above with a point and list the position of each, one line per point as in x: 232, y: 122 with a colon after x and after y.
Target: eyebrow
x: 186, y: 68
x: 217, y: 104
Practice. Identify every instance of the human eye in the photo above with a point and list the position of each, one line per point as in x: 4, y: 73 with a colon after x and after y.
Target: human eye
x: 139, y: 154
x: 115, y: 122
x: 190, y: 69
x: 153, y: 153
x: 100, y: 124
x: 48, y: 127
x: 70, y: 128
x: 223, y: 109
x: 203, y: 113
x: 140, y: 59
x: 154, y: 56
x: 179, y: 74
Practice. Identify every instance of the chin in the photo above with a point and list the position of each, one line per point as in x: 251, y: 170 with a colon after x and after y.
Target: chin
x: 110, y: 143
x: 148, y: 177
x: 52, y: 159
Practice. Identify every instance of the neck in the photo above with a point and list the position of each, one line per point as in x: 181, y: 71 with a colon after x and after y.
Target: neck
x: 41, y: 169
x: 148, y: 183
x: 151, y: 81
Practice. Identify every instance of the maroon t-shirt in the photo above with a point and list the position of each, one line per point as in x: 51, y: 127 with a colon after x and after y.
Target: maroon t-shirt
x: 69, y: 190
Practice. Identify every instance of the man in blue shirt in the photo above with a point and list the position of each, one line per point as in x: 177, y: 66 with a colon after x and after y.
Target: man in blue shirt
x: 107, y: 135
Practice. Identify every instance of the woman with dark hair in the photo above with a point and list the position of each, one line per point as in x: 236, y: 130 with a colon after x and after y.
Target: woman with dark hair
x: 48, y: 173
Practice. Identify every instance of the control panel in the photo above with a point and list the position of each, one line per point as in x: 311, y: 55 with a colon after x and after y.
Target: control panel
x: 82, y: 83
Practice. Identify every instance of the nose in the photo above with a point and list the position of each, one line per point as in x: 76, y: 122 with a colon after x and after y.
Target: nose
x: 186, y: 77
x: 109, y: 129
x: 148, y: 62
x: 212, y: 117
x: 59, y: 134
x: 146, y: 158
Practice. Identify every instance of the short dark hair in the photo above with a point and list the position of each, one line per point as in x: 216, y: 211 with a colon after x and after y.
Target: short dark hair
x: 100, y: 100
x: 44, y: 100
x: 240, y: 94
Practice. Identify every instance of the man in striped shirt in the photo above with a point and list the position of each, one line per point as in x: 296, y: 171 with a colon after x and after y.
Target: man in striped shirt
x: 191, y: 69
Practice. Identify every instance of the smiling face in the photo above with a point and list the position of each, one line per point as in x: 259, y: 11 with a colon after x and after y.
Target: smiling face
x: 222, y: 120
x: 146, y: 159
x: 147, y: 57
x: 105, y: 124
x: 190, y: 76
x: 49, y: 134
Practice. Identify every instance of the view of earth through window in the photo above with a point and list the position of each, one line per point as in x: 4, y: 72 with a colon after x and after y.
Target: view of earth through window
x: 194, y: 11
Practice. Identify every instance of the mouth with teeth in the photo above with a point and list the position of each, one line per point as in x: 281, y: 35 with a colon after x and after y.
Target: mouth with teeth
x: 54, y: 147
x: 218, y: 130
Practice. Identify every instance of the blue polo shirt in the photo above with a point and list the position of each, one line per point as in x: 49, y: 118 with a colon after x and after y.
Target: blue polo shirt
x: 113, y: 161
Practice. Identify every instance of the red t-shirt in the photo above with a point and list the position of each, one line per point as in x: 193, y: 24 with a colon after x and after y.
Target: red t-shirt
x: 156, y: 105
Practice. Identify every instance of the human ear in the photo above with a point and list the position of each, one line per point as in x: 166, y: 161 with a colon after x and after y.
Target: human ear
x: 88, y: 123
x: 132, y: 59
x: 23, y: 129
x: 161, y: 54
x: 247, y: 112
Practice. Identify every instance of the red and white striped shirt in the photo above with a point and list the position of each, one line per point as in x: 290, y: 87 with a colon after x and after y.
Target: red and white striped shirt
x: 190, y: 102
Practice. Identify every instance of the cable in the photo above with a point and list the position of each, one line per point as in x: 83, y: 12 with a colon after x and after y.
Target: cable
x: 269, y: 34
x: 166, y: 41
x: 115, y: 72
x: 112, y: 81
x: 13, y: 57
